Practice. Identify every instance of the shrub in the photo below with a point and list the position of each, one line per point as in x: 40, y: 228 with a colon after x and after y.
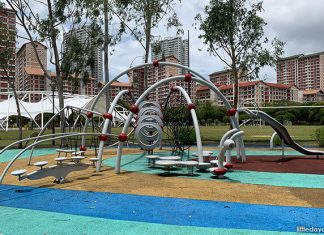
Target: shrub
x: 319, y: 135
x: 187, y: 135
x: 277, y: 141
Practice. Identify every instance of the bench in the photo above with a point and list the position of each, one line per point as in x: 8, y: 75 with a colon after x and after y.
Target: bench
x: 151, y: 159
x: 19, y: 173
x: 41, y: 164
x: 77, y: 159
x: 94, y: 160
x: 168, y: 164
x: 66, y: 151
x: 60, y: 160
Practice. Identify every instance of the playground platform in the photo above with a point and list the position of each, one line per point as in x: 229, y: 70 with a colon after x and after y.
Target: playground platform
x: 266, y: 195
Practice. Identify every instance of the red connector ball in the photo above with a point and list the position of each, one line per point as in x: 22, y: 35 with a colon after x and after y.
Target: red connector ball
x: 134, y: 108
x: 108, y: 116
x: 191, y: 106
x: 188, y: 77
x: 103, y: 137
x: 172, y: 89
x: 231, y: 112
x: 83, y: 148
x: 122, y: 137
x: 89, y: 114
x: 155, y: 63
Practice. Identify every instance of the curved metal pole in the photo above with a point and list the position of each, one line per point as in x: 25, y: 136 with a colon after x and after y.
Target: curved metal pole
x: 166, y: 80
x: 227, y: 135
x: 202, y: 80
x: 36, y: 143
x: 31, y: 138
x: 195, y: 122
x: 106, y: 125
x: 236, y: 137
x: 271, y: 140
x: 49, y: 121
x: 130, y: 116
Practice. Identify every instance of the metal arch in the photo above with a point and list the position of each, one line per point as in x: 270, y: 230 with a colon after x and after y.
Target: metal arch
x: 105, y: 127
x: 202, y: 80
x: 195, y: 122
x: 142, y: 97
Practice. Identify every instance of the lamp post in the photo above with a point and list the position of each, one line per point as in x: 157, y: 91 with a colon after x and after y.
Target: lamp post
x: 52, y: 84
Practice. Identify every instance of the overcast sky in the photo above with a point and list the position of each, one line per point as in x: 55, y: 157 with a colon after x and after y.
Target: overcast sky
x: 299, y: 23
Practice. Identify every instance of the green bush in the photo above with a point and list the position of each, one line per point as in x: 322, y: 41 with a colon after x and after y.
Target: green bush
x: 319, y: 136
x: 277, y: 141
x: 187, y: 136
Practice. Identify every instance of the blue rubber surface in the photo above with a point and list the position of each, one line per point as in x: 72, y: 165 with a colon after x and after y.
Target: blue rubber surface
x: 172, y: 211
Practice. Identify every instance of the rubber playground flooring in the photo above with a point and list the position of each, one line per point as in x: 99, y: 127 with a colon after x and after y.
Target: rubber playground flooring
x: 142, y: 200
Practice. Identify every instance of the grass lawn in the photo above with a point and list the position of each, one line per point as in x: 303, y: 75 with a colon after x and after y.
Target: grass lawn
x: 303, y: 134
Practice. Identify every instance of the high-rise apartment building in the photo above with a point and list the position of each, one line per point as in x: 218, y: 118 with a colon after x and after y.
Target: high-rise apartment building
x: 155, y: 74
x: 304, y: 71
x: 82, y: 34
x: 29, y: 73
x: 7, y: 30
x: 172, y: 47
x: 224, y: 77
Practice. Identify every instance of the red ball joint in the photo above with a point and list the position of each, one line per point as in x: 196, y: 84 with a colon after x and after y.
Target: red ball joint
x: 108, y: 116
x: 155, y: 63
x: 191, y: 106
x: 122, y: 137
x: 103, y: 137
x: 83, y: 148
x: 172, y: 89
x: 129, y: 91
x: 188, y: 77
x: 89, y: 114
x: 134, y: 108
x: 231, y: 112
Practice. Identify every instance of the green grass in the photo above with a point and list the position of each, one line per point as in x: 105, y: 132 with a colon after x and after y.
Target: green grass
x: 304, y: 134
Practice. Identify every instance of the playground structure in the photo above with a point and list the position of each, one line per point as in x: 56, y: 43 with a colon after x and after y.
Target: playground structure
x: 146, y: 117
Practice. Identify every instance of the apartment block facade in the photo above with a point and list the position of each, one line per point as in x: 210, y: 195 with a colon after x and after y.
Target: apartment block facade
x: 224, y: 77
x: 82, y: 34
x: 7, y: 31
x: 304, y: 71
x: 29, y: 72
x: 256, y: 92
x: 172, y: 47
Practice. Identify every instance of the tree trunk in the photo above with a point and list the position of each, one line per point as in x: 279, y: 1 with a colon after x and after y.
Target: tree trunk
x: 236, y: 90
x: 59, y: 81
x: 148, y: 30
x: 106, y: 58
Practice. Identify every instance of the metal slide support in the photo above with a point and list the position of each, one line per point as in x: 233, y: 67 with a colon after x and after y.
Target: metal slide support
x: 272, y: 140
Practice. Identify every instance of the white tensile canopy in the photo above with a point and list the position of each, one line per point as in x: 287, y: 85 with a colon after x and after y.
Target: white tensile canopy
x: 31, y: 110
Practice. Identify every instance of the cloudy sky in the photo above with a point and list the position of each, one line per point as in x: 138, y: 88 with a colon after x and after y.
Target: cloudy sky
x: 299, y: 23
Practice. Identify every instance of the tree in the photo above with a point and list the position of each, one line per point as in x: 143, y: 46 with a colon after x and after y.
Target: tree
x: 57, y: 16
x: 7, y: 55
x: 234, y: 33
x: 146, y: 15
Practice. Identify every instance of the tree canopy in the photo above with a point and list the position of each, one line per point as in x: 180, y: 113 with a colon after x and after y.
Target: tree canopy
x: 234, y: 32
